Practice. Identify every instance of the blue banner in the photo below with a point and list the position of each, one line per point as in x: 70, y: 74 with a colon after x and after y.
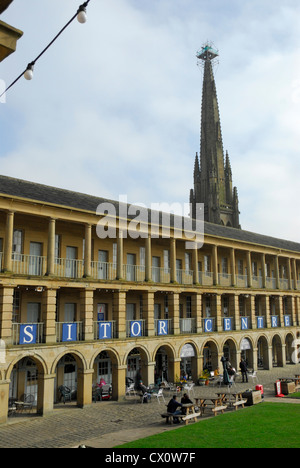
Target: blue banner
x: 208, y: 325
x: 260, y: 322
x: 135, y: 328
x: 28, y: 334
x: 274, y: 321
x: 287, y: 321
x: 69, y: 332
x: 162, y: 327
x: 105, y: 330
x: 227, y: 324
x: 244, y: 323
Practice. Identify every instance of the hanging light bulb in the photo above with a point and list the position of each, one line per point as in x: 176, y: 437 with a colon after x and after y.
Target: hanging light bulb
x: 81, y: 16
x: 28, y: 75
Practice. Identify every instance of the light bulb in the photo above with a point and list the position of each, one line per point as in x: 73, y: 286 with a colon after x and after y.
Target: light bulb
x: 28, y: 75
x: 82, y: 17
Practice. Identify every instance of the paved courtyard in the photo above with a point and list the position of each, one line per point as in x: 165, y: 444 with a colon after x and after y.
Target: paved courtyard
x: 108, y: 423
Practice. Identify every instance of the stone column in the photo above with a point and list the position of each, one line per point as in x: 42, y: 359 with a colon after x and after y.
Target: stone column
x: 118, y: 378
x: 87, y: 313
x: 149, y: 312
x: 119, y: 302
x: 8, y: 242
x: 51, y: 247
x: 6, y: 312
x: 4, y: 396
x: 45, y: 393
x: 88, y: 251
x: 197, y: 311
x: 49, y: 315
x: 174, y: 312
x: 84, y: 387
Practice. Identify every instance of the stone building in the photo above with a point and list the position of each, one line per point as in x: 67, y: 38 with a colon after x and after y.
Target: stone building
x: 77, y: 306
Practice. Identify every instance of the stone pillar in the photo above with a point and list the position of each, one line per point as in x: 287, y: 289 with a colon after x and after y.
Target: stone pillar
x: 173, y: 260
x: 119, y: 302
x: 148, y: 259
x: 215, y: 265
x: 8, y: 242
x: 120, y: 253
x: 88, y: 251
x: 119, y: 379
x: 4, y: 396
x: 149, y: 312
x: 233, y: 267
x: 235, y: 310
x: 197, y: 311
x: 174, y: 312
x: 84, y: 387
x: 51, y: 247
x: 45, y: 393
x: 6, y: 312
x: 195, y: 265
x: 87, y: 313
x: 263, y: 270
x: 249, y: 269
x: 49, y: 315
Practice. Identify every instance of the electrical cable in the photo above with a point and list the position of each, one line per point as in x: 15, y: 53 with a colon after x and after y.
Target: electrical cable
x: 30, y: 66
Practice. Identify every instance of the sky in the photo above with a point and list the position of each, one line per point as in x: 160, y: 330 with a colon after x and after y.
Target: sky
x: 114, y: 107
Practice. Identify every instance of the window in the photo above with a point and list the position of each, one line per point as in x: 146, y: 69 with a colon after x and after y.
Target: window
x: 254, y: 268
x: 1, y: 245
x: 187, y: 262
x: 166, y: 261
x: 188, y: 307
x: 241, y: 267
x: 17, y: 244
x: 207, y: 264
x: 224, y: 266
x: 57, y: 248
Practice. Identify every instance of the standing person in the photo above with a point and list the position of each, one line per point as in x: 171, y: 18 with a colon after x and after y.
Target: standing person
x: 244, y: 370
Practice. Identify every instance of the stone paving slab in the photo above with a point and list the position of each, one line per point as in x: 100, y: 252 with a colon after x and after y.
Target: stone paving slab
x: 108, y: 423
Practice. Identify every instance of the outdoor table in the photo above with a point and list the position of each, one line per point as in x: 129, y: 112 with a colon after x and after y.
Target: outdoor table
x: 233, y: 399
x: 216, y: 403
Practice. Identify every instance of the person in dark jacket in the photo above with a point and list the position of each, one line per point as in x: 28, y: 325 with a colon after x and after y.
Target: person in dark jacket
x: 174, y: 407
x: 244, y: 370
x: 185, y: 401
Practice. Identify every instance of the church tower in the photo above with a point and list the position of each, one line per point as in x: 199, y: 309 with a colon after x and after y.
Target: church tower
x: 212, y: 172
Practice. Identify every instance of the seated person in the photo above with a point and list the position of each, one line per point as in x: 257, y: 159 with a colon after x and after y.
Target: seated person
x: 217, y: 372
x: 185, y: 401
x: 173, y: 408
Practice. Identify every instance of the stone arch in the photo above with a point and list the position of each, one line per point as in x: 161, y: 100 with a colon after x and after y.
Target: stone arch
x: 210, y: 351
x: 263, y: 356
x: 277, y: 351
x: 230, y: 351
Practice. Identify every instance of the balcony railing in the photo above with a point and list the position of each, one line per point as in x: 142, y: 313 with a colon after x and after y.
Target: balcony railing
x: 225, y: 279
x: 161, y: 275
x: 134, y: 273
x: 187, y: 325
x: 184, y: 276
x: 67, y: 268
x: 104, y: 271
x: 69, y: 331
x: 28, y: 265
x: 27, y: 333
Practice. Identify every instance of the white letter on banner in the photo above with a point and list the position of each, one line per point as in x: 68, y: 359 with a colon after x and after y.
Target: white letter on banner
x: 103, y: 334
x: 28, y: 334
x: 227, y: 324
x: 244, y: 323
x: 274, y: 321
x: 132, y: 329
x: 207, y: 323
x: 162, y: 327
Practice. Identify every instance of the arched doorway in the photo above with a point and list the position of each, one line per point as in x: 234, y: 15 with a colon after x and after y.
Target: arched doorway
x: 188, y: 364
x: 246, y: 349
x: 230, y: 353
x: 210, y: 356
x: 290, y: 348
x: 137, y: 367
x: 263, y: 353
x: 277, y: 354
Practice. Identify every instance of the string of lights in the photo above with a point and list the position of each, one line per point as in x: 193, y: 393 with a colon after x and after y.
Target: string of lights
x: 28, y: 73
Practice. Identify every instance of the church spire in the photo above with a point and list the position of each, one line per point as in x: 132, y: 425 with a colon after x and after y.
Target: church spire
x: 213, y: 184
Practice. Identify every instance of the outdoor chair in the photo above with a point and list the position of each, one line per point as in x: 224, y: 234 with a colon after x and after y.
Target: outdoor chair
x: 253, y: 376
x: 218, y: 381
x: 65, y: 393
x: 28, y: 401
x: 130, y: 390
x: 159, y: 394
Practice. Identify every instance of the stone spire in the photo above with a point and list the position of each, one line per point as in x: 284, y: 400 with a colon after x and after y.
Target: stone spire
x: 213, y: 174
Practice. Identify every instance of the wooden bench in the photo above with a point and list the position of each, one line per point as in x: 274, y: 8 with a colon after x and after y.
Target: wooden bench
x: 239, y: 403
x: 193, y: 416
x: 170, y: 417
x: 218, y: 408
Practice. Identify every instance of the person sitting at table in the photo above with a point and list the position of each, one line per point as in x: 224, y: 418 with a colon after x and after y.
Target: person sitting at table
x: 173, y: 408
x: 185, y: 401
x: 217, y: 372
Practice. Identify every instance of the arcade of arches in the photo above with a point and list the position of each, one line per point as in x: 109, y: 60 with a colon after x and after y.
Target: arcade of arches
x: 80, y: 367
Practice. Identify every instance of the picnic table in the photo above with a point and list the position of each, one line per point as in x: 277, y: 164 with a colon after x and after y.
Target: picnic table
x: 216, y: 405
x: 295, y: 379
x: 233, y: 399
x: 189, y: 415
